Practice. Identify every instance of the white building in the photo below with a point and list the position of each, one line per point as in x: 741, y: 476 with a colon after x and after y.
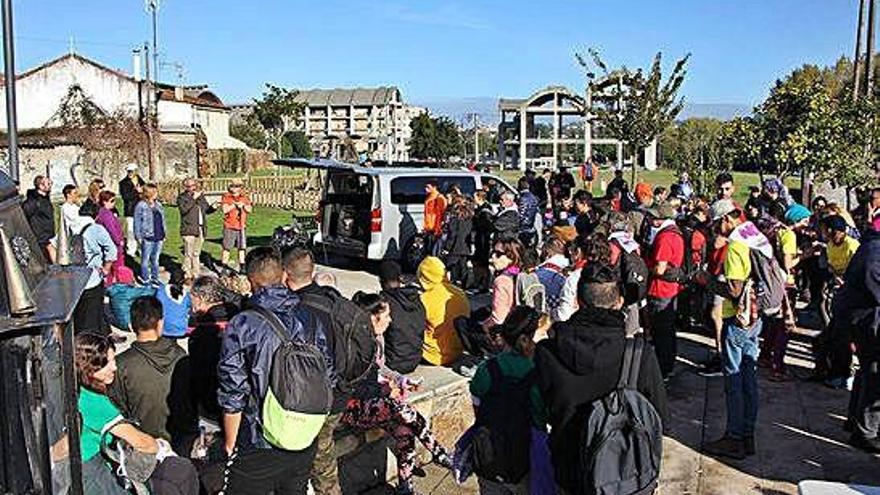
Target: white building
x: 41, y: 90
x: 371, y: 121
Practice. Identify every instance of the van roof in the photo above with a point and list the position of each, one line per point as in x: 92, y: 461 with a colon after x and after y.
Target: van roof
x: 327, y: 164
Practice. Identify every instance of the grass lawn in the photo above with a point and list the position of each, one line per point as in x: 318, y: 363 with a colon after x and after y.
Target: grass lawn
x: 261, y: 223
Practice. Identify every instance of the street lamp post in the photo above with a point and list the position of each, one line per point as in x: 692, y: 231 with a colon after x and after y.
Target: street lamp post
x: 9, y: 67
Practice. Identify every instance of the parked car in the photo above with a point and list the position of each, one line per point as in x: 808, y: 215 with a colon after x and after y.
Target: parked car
x: 376, y: 212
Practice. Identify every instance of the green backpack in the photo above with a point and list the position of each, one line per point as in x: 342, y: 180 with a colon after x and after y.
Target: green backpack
x: 300, y: 395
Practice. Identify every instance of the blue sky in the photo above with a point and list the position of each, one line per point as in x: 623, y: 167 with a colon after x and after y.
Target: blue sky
x: 437, y: 49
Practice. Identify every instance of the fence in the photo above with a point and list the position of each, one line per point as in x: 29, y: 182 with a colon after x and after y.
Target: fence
x: 289, y: 193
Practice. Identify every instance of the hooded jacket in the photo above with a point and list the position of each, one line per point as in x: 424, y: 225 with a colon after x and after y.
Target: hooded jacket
x: 246, y: 357
x: 443, y: 304
x: 579, y: 363
x: 204, y: 350
x: 152, y: 387
x: 406, y: 335
x: 40, y: 215
x: 858, y: 304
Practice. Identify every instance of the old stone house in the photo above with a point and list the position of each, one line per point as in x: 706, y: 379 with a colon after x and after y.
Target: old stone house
x: 189, y: 120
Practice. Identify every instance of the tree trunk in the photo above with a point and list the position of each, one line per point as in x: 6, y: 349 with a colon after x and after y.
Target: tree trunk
x: 869, y: 52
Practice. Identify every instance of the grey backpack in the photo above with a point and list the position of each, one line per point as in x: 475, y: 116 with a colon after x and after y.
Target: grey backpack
x: 622, y: 441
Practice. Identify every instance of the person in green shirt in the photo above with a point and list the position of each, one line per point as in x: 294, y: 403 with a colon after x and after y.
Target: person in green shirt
x: 95, y: 358
x: 513, y: 363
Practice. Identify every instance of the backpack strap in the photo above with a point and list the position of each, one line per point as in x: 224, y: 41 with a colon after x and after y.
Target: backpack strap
x: 632, y: 362
x: 274, y: 323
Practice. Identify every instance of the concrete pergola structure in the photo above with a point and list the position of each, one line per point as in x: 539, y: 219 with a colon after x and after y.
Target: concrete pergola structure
x: 522, y: 145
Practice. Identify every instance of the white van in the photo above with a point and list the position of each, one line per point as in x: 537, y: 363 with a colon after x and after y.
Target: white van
x: 374, y: 212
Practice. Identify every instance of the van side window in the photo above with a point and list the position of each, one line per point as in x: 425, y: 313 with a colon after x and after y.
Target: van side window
x: 411, y: 190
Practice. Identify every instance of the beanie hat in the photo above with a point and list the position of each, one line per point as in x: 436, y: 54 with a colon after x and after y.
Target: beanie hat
x: 432, y: 272
x: 835, y: 223
x: 389, y: 270
x: 796, y: 213
x: 643, y: 192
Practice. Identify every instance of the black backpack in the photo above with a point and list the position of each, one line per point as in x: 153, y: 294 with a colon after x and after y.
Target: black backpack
x: 622, y: 440
x: 354, y: 345
x: 633, y: 275
x: 299, y: 396
x: 77, y: 248
x: 502, y: 433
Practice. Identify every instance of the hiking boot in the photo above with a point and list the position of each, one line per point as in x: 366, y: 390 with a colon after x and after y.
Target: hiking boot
x: 726, y: 446
x: 749, y: 445
x: 871, y: 445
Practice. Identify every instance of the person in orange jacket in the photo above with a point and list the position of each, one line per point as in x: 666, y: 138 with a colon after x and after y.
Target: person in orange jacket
x: 435, y: 209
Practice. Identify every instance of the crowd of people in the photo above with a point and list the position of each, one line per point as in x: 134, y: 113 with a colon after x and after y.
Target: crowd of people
x: 586, y: 293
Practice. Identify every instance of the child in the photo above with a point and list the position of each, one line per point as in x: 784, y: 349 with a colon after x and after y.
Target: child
x: 176, y: 304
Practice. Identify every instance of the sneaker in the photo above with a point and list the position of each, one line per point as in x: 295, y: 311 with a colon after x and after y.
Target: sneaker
x: 749, y: 445
x: 443, y: 460
x: 726, y: 446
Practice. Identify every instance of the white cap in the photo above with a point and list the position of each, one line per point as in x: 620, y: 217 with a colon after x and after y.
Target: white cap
x: 131, y: 167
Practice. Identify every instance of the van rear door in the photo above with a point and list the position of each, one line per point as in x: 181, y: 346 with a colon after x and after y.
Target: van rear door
x: 346, y: 211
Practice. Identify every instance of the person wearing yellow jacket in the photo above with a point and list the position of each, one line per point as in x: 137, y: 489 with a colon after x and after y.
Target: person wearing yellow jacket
x: 443, y: 304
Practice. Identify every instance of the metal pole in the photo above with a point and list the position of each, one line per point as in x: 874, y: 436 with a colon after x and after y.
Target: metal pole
x: 857, y: 61
x: 154, y: 5
x: 9, y: 67
x: 869, y: 52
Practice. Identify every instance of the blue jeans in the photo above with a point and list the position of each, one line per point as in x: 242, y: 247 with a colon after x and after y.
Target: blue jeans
x: 150, y: 260
x: 739, y: 357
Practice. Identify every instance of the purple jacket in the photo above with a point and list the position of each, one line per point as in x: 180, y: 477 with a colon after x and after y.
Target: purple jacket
x: 108, y: 220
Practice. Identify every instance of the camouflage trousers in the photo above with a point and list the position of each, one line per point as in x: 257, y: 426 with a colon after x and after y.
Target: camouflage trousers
x: 325, y: 473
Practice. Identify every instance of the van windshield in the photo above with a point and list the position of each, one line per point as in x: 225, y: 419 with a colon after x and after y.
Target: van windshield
x: 411, y: 190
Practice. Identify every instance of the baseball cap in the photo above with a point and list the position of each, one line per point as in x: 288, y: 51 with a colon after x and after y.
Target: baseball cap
x: 721, y: 208
x: 662, y: 210
x: 772, y: 185
x: 131, y: 167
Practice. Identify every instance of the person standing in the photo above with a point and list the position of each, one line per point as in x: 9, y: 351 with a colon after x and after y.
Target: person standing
x: 664, y: 262
x: 507, y: 224
x: 194, y: 211
x: 483, y: 221
x: 107, y: 219
x: 100, y: 254
x: 248, y: 345
x: 741, y: 329
x: 149, y: 230
x: 236, y: 206
x: 435, y: 210
x: 527, y: 205
x: 90, y: 206
x: 38, y: 210
x: 130, y: 188
x: 70, y: 207
x: 456, y: 238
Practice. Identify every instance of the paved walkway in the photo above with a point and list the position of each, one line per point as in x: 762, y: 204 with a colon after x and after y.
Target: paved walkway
x: 800, y: 435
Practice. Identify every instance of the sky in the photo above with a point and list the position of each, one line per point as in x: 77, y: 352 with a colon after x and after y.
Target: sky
x: 435, y: 49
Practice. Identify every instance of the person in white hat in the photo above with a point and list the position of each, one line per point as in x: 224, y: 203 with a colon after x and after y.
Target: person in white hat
x: 130, y: 188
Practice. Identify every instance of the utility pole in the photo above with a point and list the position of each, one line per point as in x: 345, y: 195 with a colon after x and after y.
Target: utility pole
x: 9, y: 82
x: 857, y: 61
x: 869, y: 52
x: 148, y: 117
x: 476, y: 119
x: 153, y: 7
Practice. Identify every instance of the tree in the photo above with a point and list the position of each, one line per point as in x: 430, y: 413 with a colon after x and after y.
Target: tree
x: 741, y: 144
x: 435, y: 138
x: 642, y: 105
x: 250, y: 133
x: 694, y: 147
x: 274, y: 111
x: 296, y: 144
